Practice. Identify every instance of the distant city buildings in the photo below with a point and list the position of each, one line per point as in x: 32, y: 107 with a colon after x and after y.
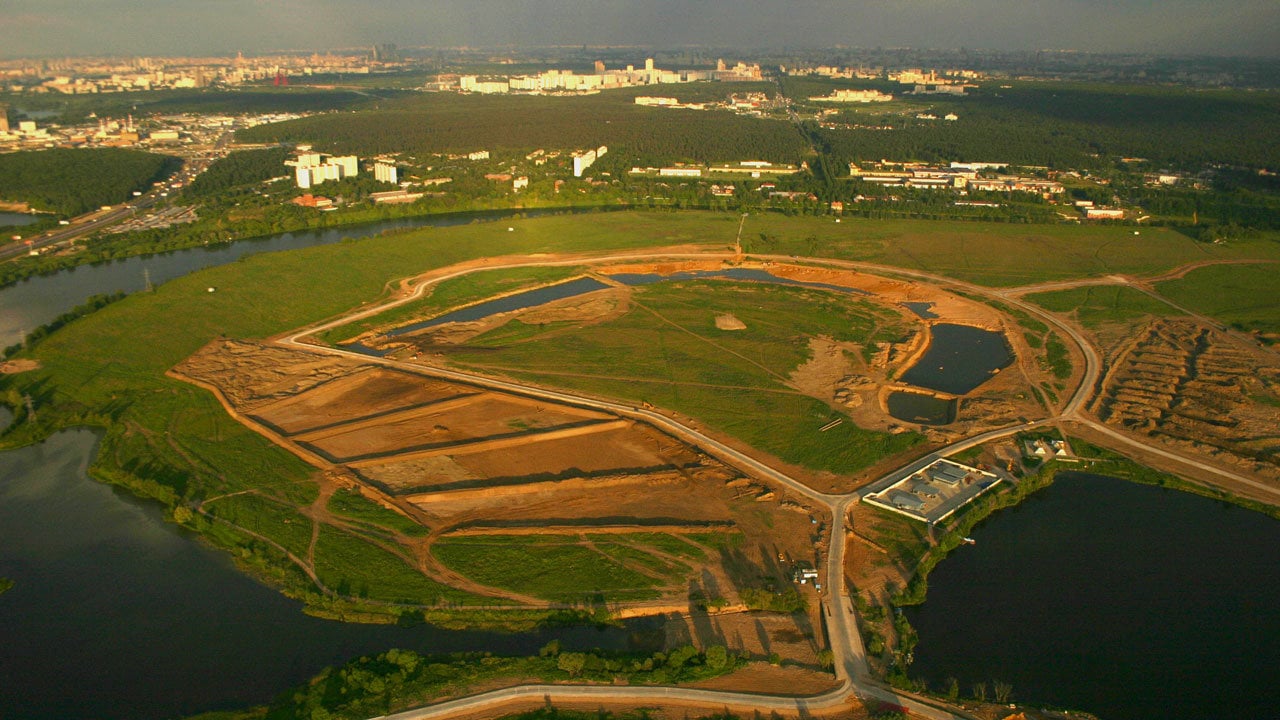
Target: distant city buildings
x: 958, y: 176
x: 569, y: 82
x: 853, y: 96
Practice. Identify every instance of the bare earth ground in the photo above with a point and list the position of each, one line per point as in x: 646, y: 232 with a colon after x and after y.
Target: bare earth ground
x: 11, y: 367
x: 458, y: 458
x: 837, y: 373
x: 1194, y: 389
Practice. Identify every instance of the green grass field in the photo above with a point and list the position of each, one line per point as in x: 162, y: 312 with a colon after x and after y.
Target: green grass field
x: 351, y: 566
x: 352, y: 505
x: 1103, y: 305
x: 667, y: 351
x: 268, y: 518
x: 562, y: 568
x: 172, y: 441
x: 453, y: 293
x: 1246, y: 297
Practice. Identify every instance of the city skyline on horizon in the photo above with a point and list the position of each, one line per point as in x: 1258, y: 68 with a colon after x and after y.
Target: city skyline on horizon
x: 53, y: 28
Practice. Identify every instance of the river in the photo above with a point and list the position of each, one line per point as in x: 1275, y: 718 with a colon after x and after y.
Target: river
x: 117, y: 614
x: 37, y: 300
x: 1124, y: 600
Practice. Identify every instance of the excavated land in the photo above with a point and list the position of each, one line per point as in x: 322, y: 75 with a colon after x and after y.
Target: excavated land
x: 837, y: 372
x: 463, y: 460
x: 1198, y: 390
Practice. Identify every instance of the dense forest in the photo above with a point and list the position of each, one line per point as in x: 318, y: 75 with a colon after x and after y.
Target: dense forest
x: 240, y: 168
x: 449, y: 123
x: 76, y: 181
x: 1068, y: 125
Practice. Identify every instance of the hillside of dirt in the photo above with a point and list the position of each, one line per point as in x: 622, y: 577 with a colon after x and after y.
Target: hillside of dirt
x: 1196, y: 389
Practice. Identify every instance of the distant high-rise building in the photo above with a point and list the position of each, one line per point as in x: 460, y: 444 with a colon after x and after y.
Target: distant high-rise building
x: 4, y: 118
x: 386, y: 172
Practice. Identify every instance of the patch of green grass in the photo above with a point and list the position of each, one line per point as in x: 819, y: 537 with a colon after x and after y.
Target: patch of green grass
x: 552, y: 567
x: 453, y: 293
x: 351, y: 504
x: 667, y: 351
x: 1056, y: 357
x: 1246, y: 297
x: 267, y: 518
x: 1103, y: 305
x: 351, y: 566
x: 516, y: 331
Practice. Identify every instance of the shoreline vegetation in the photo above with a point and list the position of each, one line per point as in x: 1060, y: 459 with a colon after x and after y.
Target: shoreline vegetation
x: 1095, y: 461
x: 401, y: 679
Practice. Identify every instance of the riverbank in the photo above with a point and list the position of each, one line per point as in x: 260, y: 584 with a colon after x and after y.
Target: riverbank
x: 217, y: 232
x: 1095, y: 461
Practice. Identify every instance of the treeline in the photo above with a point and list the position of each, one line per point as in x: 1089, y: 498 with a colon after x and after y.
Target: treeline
x: 449, y: 123
x: 77, y: 108
x: 398, y: 679
x: 240, y: 168
x: 1063, y: 125
x: 72, y: 182
x: 92, y: 305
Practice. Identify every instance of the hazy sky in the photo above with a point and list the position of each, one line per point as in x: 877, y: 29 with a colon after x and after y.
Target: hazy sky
x: 168, y: 27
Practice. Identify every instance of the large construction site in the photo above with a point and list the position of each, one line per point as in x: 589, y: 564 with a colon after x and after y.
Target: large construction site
x: 470, y: 464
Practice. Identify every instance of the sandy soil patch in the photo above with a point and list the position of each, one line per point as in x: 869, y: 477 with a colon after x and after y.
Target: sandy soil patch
x: 21, y: 365
x: 477, y: 417
x: 1192, y: 388
x: 373, y: 391
x: 728, y: 321
x: 251, y: 375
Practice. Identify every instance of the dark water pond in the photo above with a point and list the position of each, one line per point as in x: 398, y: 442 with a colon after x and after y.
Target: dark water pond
x: 509, y: 303
x: 921, y: 309
x: 10, y: 219
x: 1124, y: 600
x: 117, y: 614
x: 959, y: 359
x: 923, y: 409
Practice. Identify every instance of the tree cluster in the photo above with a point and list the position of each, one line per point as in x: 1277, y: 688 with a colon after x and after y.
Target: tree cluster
x: 72, y: 182
x: 447, y: 123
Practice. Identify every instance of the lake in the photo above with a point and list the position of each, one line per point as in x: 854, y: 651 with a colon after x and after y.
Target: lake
x: 920, y: 408
x: 116, y: 613
x: 959, y: 359
x: 1124, y: 600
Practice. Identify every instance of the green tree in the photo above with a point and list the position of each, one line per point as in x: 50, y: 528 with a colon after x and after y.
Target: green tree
x: 572, y: 663
x: 717, y: 657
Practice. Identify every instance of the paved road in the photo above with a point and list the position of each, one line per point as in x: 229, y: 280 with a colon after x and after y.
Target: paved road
x: 98, y: 219
x: 839, y: 611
